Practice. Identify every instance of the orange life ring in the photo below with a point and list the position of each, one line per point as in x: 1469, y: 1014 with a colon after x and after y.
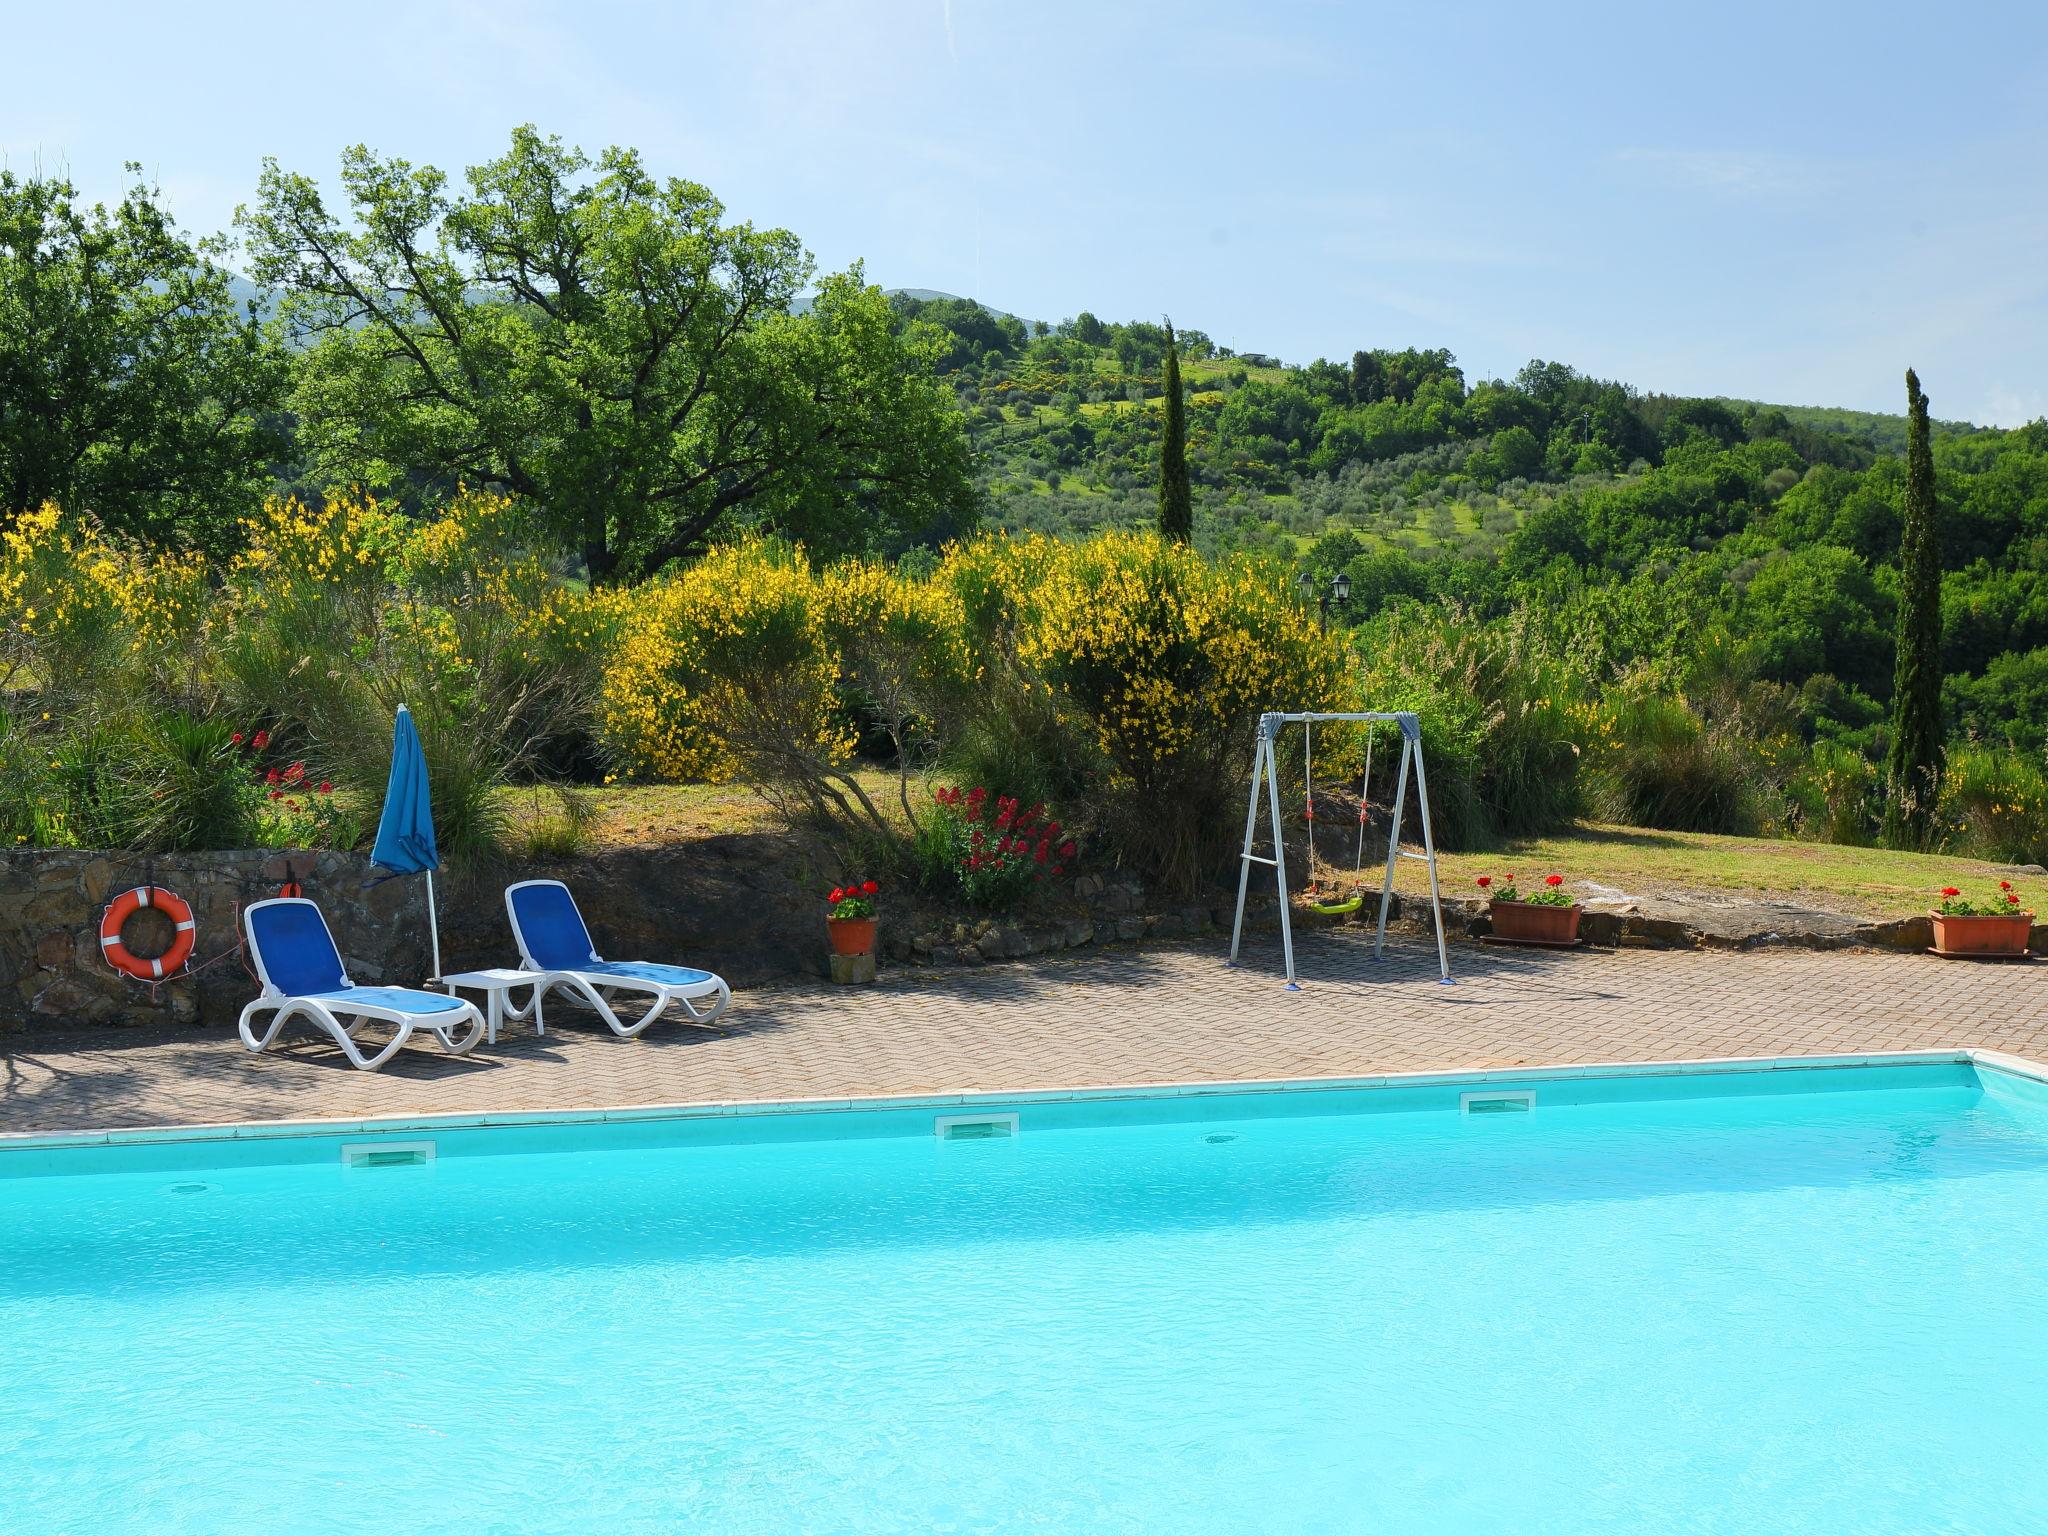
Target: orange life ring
x: 125, y: 906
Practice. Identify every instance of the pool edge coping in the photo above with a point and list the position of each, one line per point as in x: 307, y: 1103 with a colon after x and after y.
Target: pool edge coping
x: 269, y: 1130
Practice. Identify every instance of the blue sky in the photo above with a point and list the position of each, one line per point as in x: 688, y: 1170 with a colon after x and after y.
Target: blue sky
x: 1786, y: 201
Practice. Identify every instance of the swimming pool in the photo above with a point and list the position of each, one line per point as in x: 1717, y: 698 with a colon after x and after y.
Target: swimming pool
x: 1803, y: 1299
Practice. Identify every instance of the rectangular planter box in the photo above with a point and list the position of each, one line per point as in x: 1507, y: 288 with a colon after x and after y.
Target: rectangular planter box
x: 1520, y: 922
x: 1997, y: 935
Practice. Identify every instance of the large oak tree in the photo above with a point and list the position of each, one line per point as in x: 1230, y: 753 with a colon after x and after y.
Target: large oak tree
x: 609, y: 346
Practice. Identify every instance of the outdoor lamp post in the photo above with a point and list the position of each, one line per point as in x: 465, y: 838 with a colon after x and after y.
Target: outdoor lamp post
x: 1338, y: 595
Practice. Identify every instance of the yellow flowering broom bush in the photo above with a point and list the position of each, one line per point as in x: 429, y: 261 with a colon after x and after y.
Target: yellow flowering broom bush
x: 101, y: 654
x: 80, y: 613
x: 1995, y: 803
x: 729, y: 670
x: 1160, y: 663
x: 1125, y: 670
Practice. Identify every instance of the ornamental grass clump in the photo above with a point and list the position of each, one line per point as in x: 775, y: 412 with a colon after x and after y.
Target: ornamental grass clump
x: 1504, y: 722
x: 337, y: 614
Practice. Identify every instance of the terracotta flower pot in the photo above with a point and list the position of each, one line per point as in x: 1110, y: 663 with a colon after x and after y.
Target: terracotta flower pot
x: 851, y: 935
x: 2000, y: 934
x: 1522, y: 922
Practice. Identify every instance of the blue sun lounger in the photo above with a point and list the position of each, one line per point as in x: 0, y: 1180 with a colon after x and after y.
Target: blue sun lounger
x: 303, y: 977
x: 552, y: 938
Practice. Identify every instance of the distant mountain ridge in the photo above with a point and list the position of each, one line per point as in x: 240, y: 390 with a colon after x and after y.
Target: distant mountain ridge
x: 1880, y: 431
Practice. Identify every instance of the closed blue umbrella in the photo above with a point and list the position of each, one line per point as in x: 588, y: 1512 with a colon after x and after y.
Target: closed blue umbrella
x: 405, y: 832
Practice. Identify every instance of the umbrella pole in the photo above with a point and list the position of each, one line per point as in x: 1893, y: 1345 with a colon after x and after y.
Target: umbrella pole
x: 433, y: 927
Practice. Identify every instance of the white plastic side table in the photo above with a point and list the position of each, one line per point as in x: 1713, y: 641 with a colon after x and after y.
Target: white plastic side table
x: 496, y: 984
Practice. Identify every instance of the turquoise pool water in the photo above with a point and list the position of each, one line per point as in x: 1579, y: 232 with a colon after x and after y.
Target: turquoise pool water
x: 1810, y: 1311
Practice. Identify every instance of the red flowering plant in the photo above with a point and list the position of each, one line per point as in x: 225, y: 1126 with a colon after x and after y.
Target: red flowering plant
x: 998, y: 849
x: 302, y: 812
x: 2005, y: 903
x: 848, y: 902
x: 1553, y: 893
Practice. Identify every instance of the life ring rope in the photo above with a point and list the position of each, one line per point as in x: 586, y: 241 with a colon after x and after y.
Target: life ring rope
x: 125, y: 906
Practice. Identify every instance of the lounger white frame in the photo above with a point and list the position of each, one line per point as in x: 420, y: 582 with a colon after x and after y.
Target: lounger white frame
x: 597, y: 989
x: 315, y: 1009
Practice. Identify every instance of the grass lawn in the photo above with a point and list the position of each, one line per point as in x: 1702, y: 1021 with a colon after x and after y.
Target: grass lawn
x: 1870, y: 881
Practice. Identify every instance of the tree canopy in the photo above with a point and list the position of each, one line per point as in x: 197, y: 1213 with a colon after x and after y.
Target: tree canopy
x: 132, y: 384
x: 608, y: 346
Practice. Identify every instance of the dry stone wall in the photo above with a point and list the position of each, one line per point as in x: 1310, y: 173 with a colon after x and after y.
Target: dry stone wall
x: 52, y: 971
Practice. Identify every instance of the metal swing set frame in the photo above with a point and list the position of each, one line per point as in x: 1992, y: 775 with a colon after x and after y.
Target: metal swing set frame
x: 1266, y: 776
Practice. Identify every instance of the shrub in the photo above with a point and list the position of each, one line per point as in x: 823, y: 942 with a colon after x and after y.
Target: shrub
x: 1662, y: 766
x: 996, y: 850
x: 899, y: 643
x: 1162, y: 662
x: 1994, y: 805
x: 1010, y: 728
x: 1833, y: 796
x: 1503, y: 724
x: 337, y: 615
x: 729, y: 670
x: 85, y: 618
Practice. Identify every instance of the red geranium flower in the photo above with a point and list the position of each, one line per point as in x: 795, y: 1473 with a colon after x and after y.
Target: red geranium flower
x: 838, y: 894
x: 237, y: 738
x: 2005, y: 885
x: 1067, y: 849
x: 1485, y: 881
x: 1949, y: 890
x: 272, y: 777
x: 326, y: 788
x: 2012, y: 898
x: 262, y: 740
x: 1553, y: 880
x: 868, y: 887
x: 277, y: 794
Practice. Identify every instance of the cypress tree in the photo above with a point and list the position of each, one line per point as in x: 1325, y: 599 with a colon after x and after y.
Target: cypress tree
x: 1176, y: 506
x: 1913, y: 767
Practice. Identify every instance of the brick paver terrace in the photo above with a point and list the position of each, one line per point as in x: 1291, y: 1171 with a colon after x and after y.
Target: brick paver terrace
x: 1113, y: 1017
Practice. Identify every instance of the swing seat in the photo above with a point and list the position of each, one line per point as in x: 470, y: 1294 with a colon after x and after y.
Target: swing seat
x: 1336, y: 908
